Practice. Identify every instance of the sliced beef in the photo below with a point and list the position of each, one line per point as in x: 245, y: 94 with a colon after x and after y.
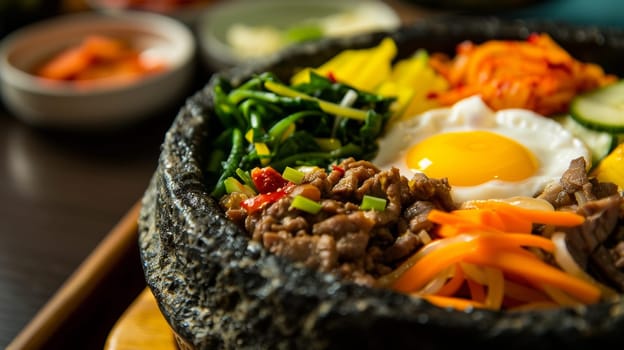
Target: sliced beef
x: 601, y: 220
x: 594, y: 244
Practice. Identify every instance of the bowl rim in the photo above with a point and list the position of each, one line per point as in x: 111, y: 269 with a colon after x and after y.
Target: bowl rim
x: 134, y: 22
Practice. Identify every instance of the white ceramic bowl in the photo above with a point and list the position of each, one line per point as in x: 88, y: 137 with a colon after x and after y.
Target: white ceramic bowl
x: 214, y: 27
x: 62, y: 104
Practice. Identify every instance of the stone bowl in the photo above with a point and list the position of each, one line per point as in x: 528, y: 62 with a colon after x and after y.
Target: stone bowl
x: 216, y: 289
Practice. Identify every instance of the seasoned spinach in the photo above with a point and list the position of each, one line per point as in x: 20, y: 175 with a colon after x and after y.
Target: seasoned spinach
x: 265, y: 122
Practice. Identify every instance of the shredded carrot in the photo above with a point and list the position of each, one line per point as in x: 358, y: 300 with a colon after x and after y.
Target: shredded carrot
x: 477, y: 292
x: 431, y: 264
x: 495, y: 288
x: 452, y: 285
x: 491, y: 250
x: 537, y: 271
x: 558, y: 218
x: 463, y: 220
x: 453, y: 302
x: 523, y: 293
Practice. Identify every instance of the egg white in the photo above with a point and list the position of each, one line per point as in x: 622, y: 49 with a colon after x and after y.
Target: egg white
x: 552, y: 145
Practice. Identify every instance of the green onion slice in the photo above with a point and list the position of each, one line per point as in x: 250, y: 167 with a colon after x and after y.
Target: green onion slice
x: 302, y: 203
x: 328, y: 143
x: 373, y: 203
x: 293, y: 175
x: 233, y: 185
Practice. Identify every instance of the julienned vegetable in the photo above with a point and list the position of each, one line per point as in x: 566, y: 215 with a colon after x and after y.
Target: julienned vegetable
x: 264, y: 122
x: 485, y: 249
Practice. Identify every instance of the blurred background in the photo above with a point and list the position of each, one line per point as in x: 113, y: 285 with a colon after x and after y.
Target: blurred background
x: 62, y: 189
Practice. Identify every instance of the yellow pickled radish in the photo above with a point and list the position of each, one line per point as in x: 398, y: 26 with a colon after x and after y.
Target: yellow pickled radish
x: 611, y: 168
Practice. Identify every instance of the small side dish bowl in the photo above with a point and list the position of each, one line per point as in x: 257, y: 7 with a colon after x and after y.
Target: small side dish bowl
x: 242, y: 32
x: 97, y: 103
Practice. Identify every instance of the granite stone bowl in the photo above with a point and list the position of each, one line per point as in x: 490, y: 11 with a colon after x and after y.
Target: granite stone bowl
x: 218, y: 290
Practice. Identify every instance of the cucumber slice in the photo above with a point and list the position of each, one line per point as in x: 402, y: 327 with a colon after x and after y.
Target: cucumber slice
x: 599, y: 143
x: 601, y: 109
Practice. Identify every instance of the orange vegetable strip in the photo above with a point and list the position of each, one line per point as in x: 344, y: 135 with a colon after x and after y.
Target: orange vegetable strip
x: 477, y: 292
x: 496, y: 288
x: 390, y: 278
x: 523, y: 293
x: 536, y: 271
x: 431, y: 264
x: 473, y: 272
x: 452, y: 224
x: 506, y: 240
x: 559, y: 296
x: 514, y: 223
x: 453, y: 284
x: 104, y: 47
x: 65, y: 65
x: 468, y: 217
x: 559, y: 218
x: 452, y: 302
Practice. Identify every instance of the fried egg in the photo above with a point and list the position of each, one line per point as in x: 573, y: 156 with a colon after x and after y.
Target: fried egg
x: 483, y: 154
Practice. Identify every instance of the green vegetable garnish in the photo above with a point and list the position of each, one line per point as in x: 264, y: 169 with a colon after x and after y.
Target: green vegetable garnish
x: 293, y: 175
x: 264, y: 122
x: 245, y: 177
x: 373, y: 203
x: 302, y: 203
x: 326, y: 106
x: 328, y: 143
x: 233, y: 185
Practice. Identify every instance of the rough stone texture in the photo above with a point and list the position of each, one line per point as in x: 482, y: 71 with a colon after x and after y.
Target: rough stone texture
x: 218, y: 290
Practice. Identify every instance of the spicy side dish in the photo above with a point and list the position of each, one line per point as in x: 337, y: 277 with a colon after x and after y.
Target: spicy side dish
x: 99, y: 59
x: 450, y: 179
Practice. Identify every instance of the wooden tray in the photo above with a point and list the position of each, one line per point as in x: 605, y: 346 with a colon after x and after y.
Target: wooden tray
x: 142, y: 326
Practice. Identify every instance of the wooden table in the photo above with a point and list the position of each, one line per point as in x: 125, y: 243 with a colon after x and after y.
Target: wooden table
x: 61, y: 193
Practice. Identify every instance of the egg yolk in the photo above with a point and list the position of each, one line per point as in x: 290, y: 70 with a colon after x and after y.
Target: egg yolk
x: 468, y: 158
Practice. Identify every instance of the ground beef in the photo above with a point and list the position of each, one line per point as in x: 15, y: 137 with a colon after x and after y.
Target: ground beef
x: 354, y: 244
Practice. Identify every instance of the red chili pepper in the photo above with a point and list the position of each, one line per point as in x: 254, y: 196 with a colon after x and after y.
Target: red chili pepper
x: 331, y: 76
x: 338, y: 169
x: 253, y: 204
x: 267, y: 179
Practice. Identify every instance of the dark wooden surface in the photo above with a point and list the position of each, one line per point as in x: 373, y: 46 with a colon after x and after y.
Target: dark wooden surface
x: 60, y: 194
